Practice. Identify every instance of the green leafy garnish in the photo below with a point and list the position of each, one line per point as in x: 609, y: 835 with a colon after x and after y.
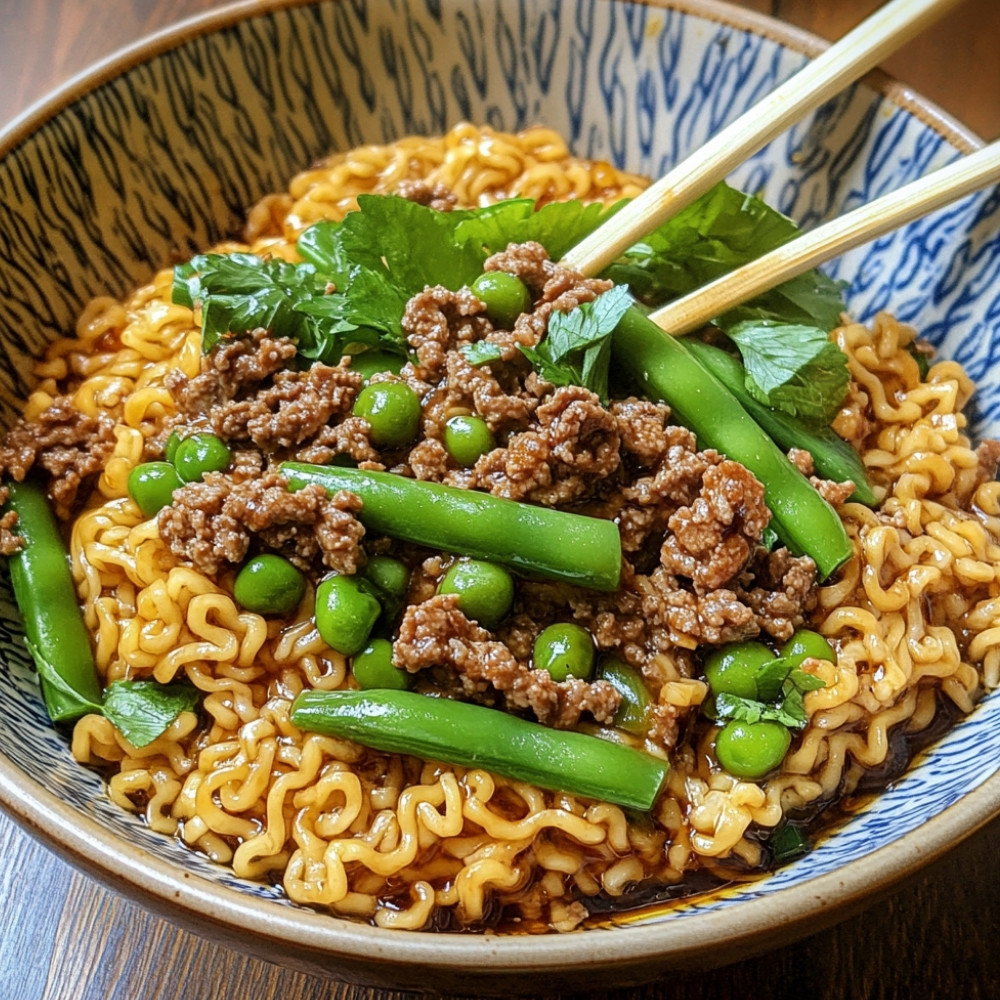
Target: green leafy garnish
x: 358, y: 274
x: 791, y: 364
x: 793, y: 368
x: 576, y: 349
x: 140, y: 710
x: 482, y: 352
x: 789, y: 841
x: 781, y: 687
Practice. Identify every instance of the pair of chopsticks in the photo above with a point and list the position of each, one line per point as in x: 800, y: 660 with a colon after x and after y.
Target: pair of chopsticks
x: 854, y: 55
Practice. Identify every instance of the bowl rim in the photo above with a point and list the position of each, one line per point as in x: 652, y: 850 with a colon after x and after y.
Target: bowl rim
x: 190, y: 900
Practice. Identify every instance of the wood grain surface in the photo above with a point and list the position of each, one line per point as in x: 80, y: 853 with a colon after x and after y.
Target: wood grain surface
x: 64, y: 937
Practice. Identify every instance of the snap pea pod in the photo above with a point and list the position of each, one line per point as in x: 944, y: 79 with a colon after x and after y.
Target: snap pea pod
x: 832, y: 456
x: 473, y: 736
x: 534, y: 539
x: 803, y: 520
x: 53, y: 623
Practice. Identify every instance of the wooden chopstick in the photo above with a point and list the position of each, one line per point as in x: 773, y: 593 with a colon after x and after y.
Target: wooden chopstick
x: 860, y: 50
x: 918, y: 198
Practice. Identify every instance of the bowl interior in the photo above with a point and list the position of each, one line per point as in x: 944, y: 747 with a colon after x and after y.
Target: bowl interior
x: 164, y: 154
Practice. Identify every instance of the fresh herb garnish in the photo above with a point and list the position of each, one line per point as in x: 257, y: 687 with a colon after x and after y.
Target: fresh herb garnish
x: 358, y: 274
x: 790, y: 362
x: 141, y: 710
x: 781, y: 687
x: 793, y: 368
x: 576, y: 349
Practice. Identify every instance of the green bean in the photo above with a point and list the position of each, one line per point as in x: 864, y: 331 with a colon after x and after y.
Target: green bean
x: 466, y: 735
x: 667, y: 370
x: 539, y: 540
x: 53, y: 623
x: 633, y: 712
x: 832, y: 456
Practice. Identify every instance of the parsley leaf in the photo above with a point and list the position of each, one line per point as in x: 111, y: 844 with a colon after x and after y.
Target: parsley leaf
x: 793, y: 368
x: 781, y: 687
x: 482, y: 352
x: 140, y: 710
x: 576, y: 349
x: 790, y: 362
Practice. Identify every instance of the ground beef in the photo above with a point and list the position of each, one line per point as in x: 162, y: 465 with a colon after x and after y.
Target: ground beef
x: 554, y: 289
x: 294, y: 408
x: 230, y: 368
x: 212, y: 523
x: 832, y: 492
x: 435, y: 633
x: 436, y: 196
x: 9, y: 542
x: 67, y: 446
x: 711, y: 540
x: 781, y: 591
x: 437, y: 321
x: 576, y: 444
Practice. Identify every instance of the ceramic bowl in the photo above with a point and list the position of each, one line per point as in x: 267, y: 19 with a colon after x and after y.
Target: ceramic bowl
x: 160, y: 150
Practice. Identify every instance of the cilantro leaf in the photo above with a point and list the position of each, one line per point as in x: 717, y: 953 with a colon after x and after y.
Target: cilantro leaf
x: 576, y: 349
x: 733, y: 707
x: 797, y: 369
x: 142, y: 710
x: 781, y: 686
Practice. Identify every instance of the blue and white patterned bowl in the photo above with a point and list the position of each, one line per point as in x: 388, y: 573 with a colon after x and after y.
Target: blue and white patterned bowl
x: 164, y: 147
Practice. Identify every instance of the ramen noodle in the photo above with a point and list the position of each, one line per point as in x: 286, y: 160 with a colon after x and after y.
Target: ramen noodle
x: 913, y: 618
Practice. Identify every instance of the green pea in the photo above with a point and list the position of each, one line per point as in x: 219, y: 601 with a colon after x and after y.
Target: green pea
x: 806, y: 643
x: 170, y: 448
x: 466, y: 438
x: 390, y: 576
x: 370, y: 363
x: 504, y: 295
x: 269, y: 585
x: 485, y: 590
x: 373, y: 668
x: 632, y: 714
x: 152, y: 484
x: 346, y: 612
x: 392, y: 410
x: 565, y: 650
x: 752, y: 749
x: 198, y: 454
x: 733, y: 668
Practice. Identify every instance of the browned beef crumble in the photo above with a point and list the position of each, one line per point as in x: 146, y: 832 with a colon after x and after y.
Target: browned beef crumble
x: 9, y: 542
x: 64, y: 445
x: 212, y: 522
x: 435, y: 633
x: 691, y: 521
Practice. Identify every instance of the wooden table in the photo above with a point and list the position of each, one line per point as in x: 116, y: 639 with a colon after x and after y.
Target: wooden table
x: 64, y: 937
